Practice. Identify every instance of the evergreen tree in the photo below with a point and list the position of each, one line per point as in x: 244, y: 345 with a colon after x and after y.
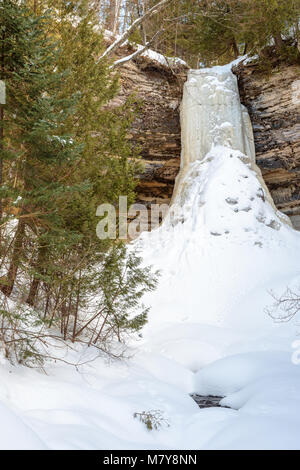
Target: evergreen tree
x: 65, y: 152
x: 37, y: 146
x: 104, y: 164
x: 217, y: 31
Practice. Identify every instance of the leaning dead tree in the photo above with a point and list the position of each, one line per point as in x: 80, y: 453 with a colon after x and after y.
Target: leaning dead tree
x: 135, y: 54
x: 124, y: 37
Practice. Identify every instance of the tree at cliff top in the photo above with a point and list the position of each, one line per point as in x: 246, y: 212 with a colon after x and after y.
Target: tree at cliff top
x: 212, y: 31
x: 64, y: 154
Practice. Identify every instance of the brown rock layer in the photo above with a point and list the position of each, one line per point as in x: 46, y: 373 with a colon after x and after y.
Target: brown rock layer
x: 273, y: 102
x: 157, y: 129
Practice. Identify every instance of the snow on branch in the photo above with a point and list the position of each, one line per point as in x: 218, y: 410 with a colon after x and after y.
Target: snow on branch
x: 121, y: 39
x: 135, y: 54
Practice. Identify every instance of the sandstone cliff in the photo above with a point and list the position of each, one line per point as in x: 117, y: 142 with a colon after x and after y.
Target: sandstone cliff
x: 273, y: 102
x: 157, y: 128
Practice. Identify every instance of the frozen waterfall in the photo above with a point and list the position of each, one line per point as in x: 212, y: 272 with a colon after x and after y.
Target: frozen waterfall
x: 223, y: 237
x: 212, y: 115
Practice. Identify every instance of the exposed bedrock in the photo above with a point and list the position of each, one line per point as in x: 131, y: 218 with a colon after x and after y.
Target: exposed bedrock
x: 157, y: 129
x: 273, y: 102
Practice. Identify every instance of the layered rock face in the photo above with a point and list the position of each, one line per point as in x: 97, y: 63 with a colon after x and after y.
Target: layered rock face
x: 215, y: 243
x: 157, y: 129
x: 273, y: 102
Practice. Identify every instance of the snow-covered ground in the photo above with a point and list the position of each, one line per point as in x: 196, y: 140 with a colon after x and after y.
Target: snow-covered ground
x: 221, y: 250
x: 93, y: 408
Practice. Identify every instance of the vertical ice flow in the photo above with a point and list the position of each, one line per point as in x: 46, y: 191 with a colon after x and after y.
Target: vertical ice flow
x: 212, y: 115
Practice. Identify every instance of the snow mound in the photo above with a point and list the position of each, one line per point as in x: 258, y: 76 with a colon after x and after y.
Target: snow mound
x: 222, y: 196
x: 14, y: 434
x: 263, y: 387
x: 233, y: 373
x: 221, y: 240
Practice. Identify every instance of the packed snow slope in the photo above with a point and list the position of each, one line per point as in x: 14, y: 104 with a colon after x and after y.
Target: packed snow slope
x: 221, y: 249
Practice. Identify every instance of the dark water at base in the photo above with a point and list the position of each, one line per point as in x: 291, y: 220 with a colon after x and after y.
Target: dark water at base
x: 207, y: 401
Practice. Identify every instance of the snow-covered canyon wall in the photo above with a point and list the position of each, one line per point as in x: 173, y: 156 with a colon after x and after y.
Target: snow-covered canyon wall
x: 156, y: 130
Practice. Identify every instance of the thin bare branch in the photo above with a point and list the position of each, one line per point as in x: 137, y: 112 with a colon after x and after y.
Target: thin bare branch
x: 135, y: 54
x: 123, y: 38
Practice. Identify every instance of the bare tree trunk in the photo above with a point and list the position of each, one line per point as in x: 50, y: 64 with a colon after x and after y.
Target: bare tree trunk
x: 35, y: 283
x: 111, y: 15
x: 33, y: 292
x: 278, y: 41
x: 126, y: 16
x: 1, y: 163
x: 235, y: 48
x: 14, y: 264
x: 176, y: 38
x: 117, y: 19
x: 143, y: 28
x: 298, y: 35
x: 76, y: 308
x: 1, y: 133
x: 114, y: 16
